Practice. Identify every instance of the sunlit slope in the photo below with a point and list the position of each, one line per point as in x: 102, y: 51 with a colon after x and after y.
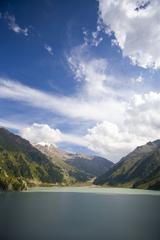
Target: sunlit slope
x: 20, y: 161
x: 139, y: 169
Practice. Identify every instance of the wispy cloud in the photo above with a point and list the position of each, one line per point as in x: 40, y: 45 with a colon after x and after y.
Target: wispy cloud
x: 94, y: 38
x: 15, y: 27
x: 48, y: 49
x: 116, y: 120
x: 91, y: 71
x: 77, y: 106
x: 138, y: 79
x: 11, y: 20
x: 119, y: 120
x: 115, y: 133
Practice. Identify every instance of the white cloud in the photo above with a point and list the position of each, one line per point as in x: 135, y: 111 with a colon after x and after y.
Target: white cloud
x: 138, y: 79
x: 44, y: 134
x: 113, y: 141
x: 93, y: 73
x: 14, y: 26
x: 141, y: 124
x: 77, y: 106
x: 115, y: 134
x: 38, y: 133
x: 49, y: 49
x: 144, y: 113
x: 136, y: 27
x: 119, y: 121
x: 94, y: 38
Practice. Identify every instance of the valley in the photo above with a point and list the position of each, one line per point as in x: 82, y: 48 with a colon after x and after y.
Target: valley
x: 23, y: 165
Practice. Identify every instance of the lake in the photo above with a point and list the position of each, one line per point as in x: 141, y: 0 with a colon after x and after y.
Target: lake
x: 65, y: 213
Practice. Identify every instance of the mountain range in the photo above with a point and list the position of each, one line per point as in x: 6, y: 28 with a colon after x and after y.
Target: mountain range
x: 22, y: 164
x: 92, y: 165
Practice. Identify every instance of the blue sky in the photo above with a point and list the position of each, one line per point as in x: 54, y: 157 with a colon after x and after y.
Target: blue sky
x: 81, y: 75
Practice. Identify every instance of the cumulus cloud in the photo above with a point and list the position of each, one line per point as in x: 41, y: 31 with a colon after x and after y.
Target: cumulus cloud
x: 105, y: 138
x: 136, y: 28
x: 48, y: 49
x: 121, y: 125
x: 11, y: 20
x: 118, y: 122
x: 141, y: 124
x: 113, y: 141
x: 144, y: 113
x: 45, y: 135
x: 110, y: 140
x: 41, y: 133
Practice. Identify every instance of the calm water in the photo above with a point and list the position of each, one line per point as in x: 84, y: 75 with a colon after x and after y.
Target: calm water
x: 70, y: 214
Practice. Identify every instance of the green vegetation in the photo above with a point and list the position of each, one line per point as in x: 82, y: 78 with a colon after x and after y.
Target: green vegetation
x: 21, y: 163
x: 93, y: 165
x: 12, y: 184
x: 18, y: 164
x: 139, y: 169
x: 71, y: 174
x: 76, y: 167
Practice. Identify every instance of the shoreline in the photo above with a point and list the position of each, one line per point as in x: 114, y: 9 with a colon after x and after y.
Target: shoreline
x: 93, y: 189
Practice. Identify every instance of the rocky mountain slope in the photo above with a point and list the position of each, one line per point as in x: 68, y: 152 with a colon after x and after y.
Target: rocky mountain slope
x: 139, y: 169
x: 91, y: 165
x: 59, y: 157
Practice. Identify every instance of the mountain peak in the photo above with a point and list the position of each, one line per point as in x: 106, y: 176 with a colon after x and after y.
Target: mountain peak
x: 44, y: 144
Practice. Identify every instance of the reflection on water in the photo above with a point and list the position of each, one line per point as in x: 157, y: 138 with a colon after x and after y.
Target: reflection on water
x: 79, y: 216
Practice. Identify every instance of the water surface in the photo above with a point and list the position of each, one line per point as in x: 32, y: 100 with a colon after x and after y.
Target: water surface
x: 80, y: 214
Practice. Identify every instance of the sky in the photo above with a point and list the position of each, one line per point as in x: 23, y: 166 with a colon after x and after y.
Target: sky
x: 81, y: 75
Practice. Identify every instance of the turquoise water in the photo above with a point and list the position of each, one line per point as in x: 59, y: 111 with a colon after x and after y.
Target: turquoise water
x: 80, y: 214
x: 96, y: 190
